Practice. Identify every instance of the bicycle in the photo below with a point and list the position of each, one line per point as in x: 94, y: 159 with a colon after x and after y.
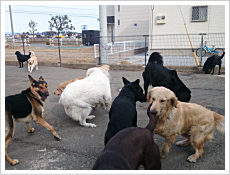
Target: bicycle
x: 212, y: 50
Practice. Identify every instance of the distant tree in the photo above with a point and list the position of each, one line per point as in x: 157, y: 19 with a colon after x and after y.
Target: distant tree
x: 32, y: 25
x: 60, y: 23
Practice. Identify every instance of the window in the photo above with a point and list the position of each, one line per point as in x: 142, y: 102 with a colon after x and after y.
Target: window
x: 118, y: 22
x: 118, y: 8
x: 199, y: 13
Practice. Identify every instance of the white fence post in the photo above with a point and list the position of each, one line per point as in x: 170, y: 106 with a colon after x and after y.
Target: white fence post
x: 111, y: 48
x: 124, y: 46
x: 95, y: 51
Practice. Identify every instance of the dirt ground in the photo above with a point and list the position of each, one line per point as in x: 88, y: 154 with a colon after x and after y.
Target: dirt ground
x: 50, y: 54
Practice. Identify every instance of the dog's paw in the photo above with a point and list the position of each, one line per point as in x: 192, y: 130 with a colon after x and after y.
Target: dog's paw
x: 163, y: 154
x: 58, y: 138
x: 90, y: 125
x: 193, y: 158
x: 31, y: 130
x: 14, y: 162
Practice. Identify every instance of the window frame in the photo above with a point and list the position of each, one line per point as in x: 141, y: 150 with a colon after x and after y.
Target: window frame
x: 199, y: 14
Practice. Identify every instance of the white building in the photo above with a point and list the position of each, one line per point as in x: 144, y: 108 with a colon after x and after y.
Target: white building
x: 128, y: 20
x: 172, y: 30
x: 138, y: 19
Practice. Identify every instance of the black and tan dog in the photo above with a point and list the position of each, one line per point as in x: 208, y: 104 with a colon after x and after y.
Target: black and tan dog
x: 25, y: 107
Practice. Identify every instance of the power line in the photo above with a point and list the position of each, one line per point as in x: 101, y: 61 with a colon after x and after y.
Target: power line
x: 53, y: 13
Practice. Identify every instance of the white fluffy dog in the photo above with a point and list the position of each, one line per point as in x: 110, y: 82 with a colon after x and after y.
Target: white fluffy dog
x: 79, y: 97
x: 32, y: 62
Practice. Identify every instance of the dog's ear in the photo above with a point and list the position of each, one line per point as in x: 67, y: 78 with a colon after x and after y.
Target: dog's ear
x: 41, y: 78
x: 149, y: 99
x: 62, y: 87
x: 125, y: 81
x: 174, y: 101
x: 31, y: 79
x: 137, y: 81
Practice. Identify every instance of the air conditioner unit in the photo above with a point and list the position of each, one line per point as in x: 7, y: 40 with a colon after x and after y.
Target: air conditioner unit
x: 161, y: 19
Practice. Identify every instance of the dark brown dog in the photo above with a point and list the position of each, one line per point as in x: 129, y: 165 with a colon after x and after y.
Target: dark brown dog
x: 130, y: 148
x: 24, y: 107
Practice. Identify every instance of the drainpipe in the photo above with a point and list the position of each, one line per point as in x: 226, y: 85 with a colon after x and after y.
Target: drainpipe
x: 103, y: 34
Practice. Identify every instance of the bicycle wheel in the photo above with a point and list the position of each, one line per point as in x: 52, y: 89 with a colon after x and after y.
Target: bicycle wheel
x: 199, y: 52
x: 218, y: 51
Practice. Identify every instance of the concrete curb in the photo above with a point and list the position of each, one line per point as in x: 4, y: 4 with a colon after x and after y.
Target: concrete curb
x: 128, y: 67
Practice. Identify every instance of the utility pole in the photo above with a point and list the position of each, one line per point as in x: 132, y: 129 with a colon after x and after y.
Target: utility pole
x: 103, y: 34
x: 11, y: 21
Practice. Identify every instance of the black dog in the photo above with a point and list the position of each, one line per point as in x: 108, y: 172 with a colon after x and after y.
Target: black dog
x: 123, y: 111
x: 130, y: 148
x: 22, y: 58
x: 158, y: 75
x: 211, y: 62
x: 24, y: 107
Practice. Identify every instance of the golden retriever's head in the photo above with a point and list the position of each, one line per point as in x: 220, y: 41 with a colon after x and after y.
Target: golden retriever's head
x: 105, y: 70
x: 163, y: 101
x: 60, y: 89
x: 30, y: 61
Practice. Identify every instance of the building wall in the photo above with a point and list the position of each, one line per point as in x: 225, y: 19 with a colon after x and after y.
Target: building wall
x: 175, y: 24
x: 130, y: 15
x: 110, y: 10
x: 144, y: 16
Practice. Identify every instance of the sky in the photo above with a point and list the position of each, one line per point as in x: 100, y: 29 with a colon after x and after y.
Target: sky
x: 41, y: 14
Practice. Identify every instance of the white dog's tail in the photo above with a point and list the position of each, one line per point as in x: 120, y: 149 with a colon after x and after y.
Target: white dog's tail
x: 32, y: 53
x: 220, y: 121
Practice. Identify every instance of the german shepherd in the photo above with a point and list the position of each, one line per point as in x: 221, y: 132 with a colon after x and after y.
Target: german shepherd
x: 25, y: 107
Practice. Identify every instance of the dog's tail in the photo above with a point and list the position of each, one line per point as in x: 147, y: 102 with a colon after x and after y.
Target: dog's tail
x: 155, y: 57
x: 222, y: 56
x: 220, y: 122
x: 32, y: 53
x: 152, y: 120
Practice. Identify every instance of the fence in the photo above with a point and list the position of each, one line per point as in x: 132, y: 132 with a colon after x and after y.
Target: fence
x: 175, y: 48
x: 48, y: 41
x: 120, y: 47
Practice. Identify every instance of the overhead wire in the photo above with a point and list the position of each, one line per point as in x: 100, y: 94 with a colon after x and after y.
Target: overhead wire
x: 55, y: 13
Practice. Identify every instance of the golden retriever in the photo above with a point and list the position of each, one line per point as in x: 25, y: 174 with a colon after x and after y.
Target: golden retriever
x: 32, y: 62
x: 62, y: 86
x: 192, y: 121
